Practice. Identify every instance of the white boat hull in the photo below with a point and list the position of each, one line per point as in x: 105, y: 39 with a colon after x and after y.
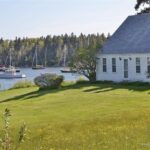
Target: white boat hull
x: 12, y: 76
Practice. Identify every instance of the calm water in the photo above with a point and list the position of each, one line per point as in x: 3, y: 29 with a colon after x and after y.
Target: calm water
x: 31, y: 74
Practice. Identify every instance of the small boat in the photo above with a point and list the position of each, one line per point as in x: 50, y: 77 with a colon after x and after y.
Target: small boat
x: 68, y: 71
x: 11, y: 74
x: 3, y: 69
x: 37, y: 67
x: 17, y: 70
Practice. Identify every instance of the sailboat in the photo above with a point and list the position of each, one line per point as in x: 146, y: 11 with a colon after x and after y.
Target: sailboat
x: 66, y: 69
x: 35, y: 57
x: 4, y: 68
x: 10, y: 72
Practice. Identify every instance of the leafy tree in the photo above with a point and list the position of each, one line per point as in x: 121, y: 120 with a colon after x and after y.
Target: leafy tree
x: 84, y: 62
x: 144, y: 2
x: 84, y: 59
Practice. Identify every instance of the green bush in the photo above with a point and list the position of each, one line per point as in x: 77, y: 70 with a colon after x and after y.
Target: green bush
x: 22, y: 84
x: 48, y: 81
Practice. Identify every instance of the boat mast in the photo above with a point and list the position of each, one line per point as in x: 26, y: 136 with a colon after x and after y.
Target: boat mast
x: 10, y: 58
x: 36, y: 61
x: 64, y: 60
x: 45, y: 56
x: 65, y: 50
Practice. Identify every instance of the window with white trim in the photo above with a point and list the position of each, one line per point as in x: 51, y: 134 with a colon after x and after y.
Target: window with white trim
x: 138, y: 65
x: 104, y: 65
x: 113, y: 64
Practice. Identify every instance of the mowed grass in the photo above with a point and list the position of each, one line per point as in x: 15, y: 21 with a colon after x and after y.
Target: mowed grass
x: 81, y: 117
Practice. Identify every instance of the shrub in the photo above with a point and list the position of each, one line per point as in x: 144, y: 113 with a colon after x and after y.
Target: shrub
x: 48, y: 81
x: 22, y: 84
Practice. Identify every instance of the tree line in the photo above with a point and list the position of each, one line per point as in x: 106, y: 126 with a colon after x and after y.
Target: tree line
x: 51, y: 49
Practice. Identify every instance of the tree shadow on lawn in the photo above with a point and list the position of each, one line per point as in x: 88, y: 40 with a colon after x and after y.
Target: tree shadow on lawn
x: 138, y: 87
x: 98, y: 87
x: 29, y: 95
x: 39, y: 93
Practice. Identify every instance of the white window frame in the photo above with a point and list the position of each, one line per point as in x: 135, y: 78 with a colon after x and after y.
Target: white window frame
x: 104, y: 65
x: 114, y: 65
x: 138, y: 65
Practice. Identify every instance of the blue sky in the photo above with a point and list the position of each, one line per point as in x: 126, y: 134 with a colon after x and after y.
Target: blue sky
x: 34, y: 18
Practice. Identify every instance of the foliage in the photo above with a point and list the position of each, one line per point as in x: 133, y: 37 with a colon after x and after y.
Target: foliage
x: 98, y: 116
x: 51, y: 49
x: 48, y: 81
x: 140, y: 2
x: 6, y: 142
x: 84, y: 59
x: 22, y: 84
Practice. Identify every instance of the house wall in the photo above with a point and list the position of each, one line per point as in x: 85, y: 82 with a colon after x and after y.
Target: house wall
x: 118, y: 76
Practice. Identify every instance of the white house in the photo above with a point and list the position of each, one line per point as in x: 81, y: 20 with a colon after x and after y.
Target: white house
x: 126, y: 55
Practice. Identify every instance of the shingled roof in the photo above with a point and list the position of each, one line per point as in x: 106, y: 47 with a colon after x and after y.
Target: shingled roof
x: 133, y: 36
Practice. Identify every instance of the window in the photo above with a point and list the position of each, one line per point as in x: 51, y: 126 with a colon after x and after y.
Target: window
x: 125, y: 68
x: 138, y: 65
x: 148, y: 64
x: 104, y: 65
x: 113, y: 64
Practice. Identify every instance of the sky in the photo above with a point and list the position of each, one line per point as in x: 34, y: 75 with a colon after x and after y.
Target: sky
x: 35, y: 18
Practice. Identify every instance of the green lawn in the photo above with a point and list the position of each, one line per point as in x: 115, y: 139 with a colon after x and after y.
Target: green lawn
x: 81, y: 117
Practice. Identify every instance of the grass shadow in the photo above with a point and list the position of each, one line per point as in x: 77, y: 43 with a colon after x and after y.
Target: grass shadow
x: 106, y: 87
x: 39, y: 93
x: 97, y: 87
x: 26, y: 96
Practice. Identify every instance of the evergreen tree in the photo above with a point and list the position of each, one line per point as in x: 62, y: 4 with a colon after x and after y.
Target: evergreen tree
x: 51, y: 46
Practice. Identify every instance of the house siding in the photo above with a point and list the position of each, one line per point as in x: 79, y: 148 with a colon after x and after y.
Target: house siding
x: 118, y: 76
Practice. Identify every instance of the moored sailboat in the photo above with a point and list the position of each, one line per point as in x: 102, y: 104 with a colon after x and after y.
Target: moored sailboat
x: 10, y: 72
x: 35, y: 57
x: 66, y: 69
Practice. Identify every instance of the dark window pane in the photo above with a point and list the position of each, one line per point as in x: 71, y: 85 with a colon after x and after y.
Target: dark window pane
x: 125, y: 74
x: 138, y: 61
x: 138, y: 65
x: 104, y: 68
x: 125, y: 68
x: 113, y: 68
x: 113, y: 64
x: 113, y: 61
x: 138, y: 69
x: 104, y: 65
